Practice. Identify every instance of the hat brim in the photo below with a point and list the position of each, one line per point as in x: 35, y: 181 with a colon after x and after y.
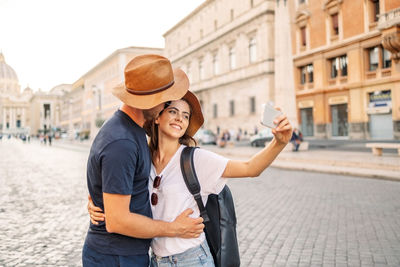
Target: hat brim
x: 196, y: 119
x: 175, y: 92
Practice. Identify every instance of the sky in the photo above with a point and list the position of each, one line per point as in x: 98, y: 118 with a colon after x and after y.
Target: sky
x: 51, y: 42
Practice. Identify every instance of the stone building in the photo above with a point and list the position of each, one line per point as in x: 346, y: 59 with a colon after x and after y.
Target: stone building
x: 14, y: 104
x: 45, y: 110
x: 90, y: 101
x: 347, y: 68
x: 227, y: 49
x: 27, y: 112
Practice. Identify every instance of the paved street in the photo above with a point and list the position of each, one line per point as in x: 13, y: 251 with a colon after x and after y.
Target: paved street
x: 285, y: 218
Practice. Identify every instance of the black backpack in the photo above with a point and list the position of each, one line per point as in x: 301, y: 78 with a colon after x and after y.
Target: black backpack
x: 219, y: 216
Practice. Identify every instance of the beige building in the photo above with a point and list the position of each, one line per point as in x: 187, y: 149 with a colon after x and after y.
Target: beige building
x: 347, y: 68
x: 14, y: 105
x: 71, y: 111
x: 90, y: 101
x: 45, y: 109
x: 26, y: 112
x: 227, y: 49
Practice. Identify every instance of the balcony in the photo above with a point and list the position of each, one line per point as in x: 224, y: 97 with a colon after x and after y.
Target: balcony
x: 389, y: 25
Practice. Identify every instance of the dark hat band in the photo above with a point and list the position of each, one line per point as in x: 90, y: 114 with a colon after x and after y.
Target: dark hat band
x: 165, y: 87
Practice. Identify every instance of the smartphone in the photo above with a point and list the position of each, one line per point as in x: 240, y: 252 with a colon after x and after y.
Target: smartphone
x: 269, y: 115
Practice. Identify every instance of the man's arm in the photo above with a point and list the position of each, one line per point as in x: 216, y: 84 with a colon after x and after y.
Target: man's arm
x: 120, y: 220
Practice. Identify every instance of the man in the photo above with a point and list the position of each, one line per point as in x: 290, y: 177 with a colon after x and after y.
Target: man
x: 119, y: 166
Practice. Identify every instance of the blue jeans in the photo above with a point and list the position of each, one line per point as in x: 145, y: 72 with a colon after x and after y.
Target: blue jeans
x: 92, y: 258
x: 197, y: 256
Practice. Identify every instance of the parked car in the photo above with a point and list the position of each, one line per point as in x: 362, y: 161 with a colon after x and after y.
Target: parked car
x: 261, y: 137
x: 205, y: 136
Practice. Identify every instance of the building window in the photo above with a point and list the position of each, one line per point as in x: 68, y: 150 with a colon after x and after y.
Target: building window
x: 215, y: 111
x: 303, y: 75
x: 215, y: 25
x: 252, y: 105
x: 375, y: 10
x: 251, y: 3
x: 232, y: 58
x: 338, y: 66
x: 215, y: 64
x: 310, y: 72
x: 373, y: 58
x: 303, y: 36
x: 302, y: 2
x: 343, y: 65
x: 189, y: 41
x: 232, y: 14
x: 387, y: 62
x: 201, y: 33
x: 201, y: 69
x: 335, y: 23
x: 231, y: 108
x: 334, y: 67
x: 307, y: 74
x: 252, y: 50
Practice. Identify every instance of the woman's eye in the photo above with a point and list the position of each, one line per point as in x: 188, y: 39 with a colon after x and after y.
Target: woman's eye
x: 172, y: 111
x: 186, y: 117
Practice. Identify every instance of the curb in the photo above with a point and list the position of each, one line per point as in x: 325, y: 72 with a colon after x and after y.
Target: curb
x: 331, y: 166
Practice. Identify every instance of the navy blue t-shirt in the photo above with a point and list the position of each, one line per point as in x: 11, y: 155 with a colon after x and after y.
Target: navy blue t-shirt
x: 119, y: 163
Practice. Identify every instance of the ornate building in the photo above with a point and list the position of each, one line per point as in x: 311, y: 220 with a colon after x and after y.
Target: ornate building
x: 347, y: 67
x: 227, y: 48
x: 27, y: 112
x: 14, y: 105
x: 89, y: 101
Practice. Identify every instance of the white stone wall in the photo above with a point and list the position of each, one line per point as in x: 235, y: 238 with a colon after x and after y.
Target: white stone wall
x: 209, y: 30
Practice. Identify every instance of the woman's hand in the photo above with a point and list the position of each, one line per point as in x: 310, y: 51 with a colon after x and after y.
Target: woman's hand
x: 283, y: 131
x: 96, y: 214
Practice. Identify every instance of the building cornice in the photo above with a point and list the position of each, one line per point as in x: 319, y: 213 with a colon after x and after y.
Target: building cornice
x: 345, y: 43
x: 264, y: 9
x: 131, y: 49
x: 188, y: 17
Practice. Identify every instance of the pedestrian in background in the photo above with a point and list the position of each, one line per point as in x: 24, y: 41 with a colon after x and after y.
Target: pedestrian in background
x: 296, y: 139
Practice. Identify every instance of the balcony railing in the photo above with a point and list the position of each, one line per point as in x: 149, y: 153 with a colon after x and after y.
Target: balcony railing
x: 389, y: 19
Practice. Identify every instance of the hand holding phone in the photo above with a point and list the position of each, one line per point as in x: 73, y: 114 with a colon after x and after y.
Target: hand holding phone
x: 269, y: 115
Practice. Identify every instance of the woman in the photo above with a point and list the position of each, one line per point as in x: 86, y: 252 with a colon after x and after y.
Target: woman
x: 169, y: 133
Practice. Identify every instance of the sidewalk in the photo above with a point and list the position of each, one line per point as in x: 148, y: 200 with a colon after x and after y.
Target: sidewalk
x: 363, y: 164
x: 323, y: 160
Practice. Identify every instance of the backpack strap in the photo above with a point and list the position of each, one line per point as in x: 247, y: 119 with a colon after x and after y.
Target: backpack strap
x: 191, y: 181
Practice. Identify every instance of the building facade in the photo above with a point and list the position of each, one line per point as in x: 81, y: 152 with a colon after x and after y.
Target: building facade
x: 14, y: 106
x: 227, y: 50
x: 347, y: 68
x: 90, y: 101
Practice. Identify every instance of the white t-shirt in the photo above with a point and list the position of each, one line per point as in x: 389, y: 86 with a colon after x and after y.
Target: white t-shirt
x: 174, y: 197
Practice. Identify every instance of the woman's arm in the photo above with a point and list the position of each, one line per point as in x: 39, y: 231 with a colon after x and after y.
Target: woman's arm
x: 259, y: 162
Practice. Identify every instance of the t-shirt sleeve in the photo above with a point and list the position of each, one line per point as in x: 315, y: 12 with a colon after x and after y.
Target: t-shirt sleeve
x: 118, y: 166
x: 209, y: 169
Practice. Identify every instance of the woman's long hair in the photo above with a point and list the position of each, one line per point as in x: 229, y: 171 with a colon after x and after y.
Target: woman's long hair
x: 151, y: 129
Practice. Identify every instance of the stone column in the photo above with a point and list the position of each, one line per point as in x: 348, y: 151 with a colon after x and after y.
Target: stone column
x: 4, y: 119
x: 23, y: 118
x: 12, y: 118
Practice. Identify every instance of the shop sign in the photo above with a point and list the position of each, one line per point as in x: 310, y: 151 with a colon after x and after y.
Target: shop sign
x: 380, y: 99
x: 306, y: 104
x: 336, y: 100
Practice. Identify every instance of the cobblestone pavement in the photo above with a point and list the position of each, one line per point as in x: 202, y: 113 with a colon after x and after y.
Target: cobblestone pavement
x: 285, y: 218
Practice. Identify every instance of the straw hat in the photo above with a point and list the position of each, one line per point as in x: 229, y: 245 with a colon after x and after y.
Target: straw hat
x: 196, y: 119
x: 149, y: 81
